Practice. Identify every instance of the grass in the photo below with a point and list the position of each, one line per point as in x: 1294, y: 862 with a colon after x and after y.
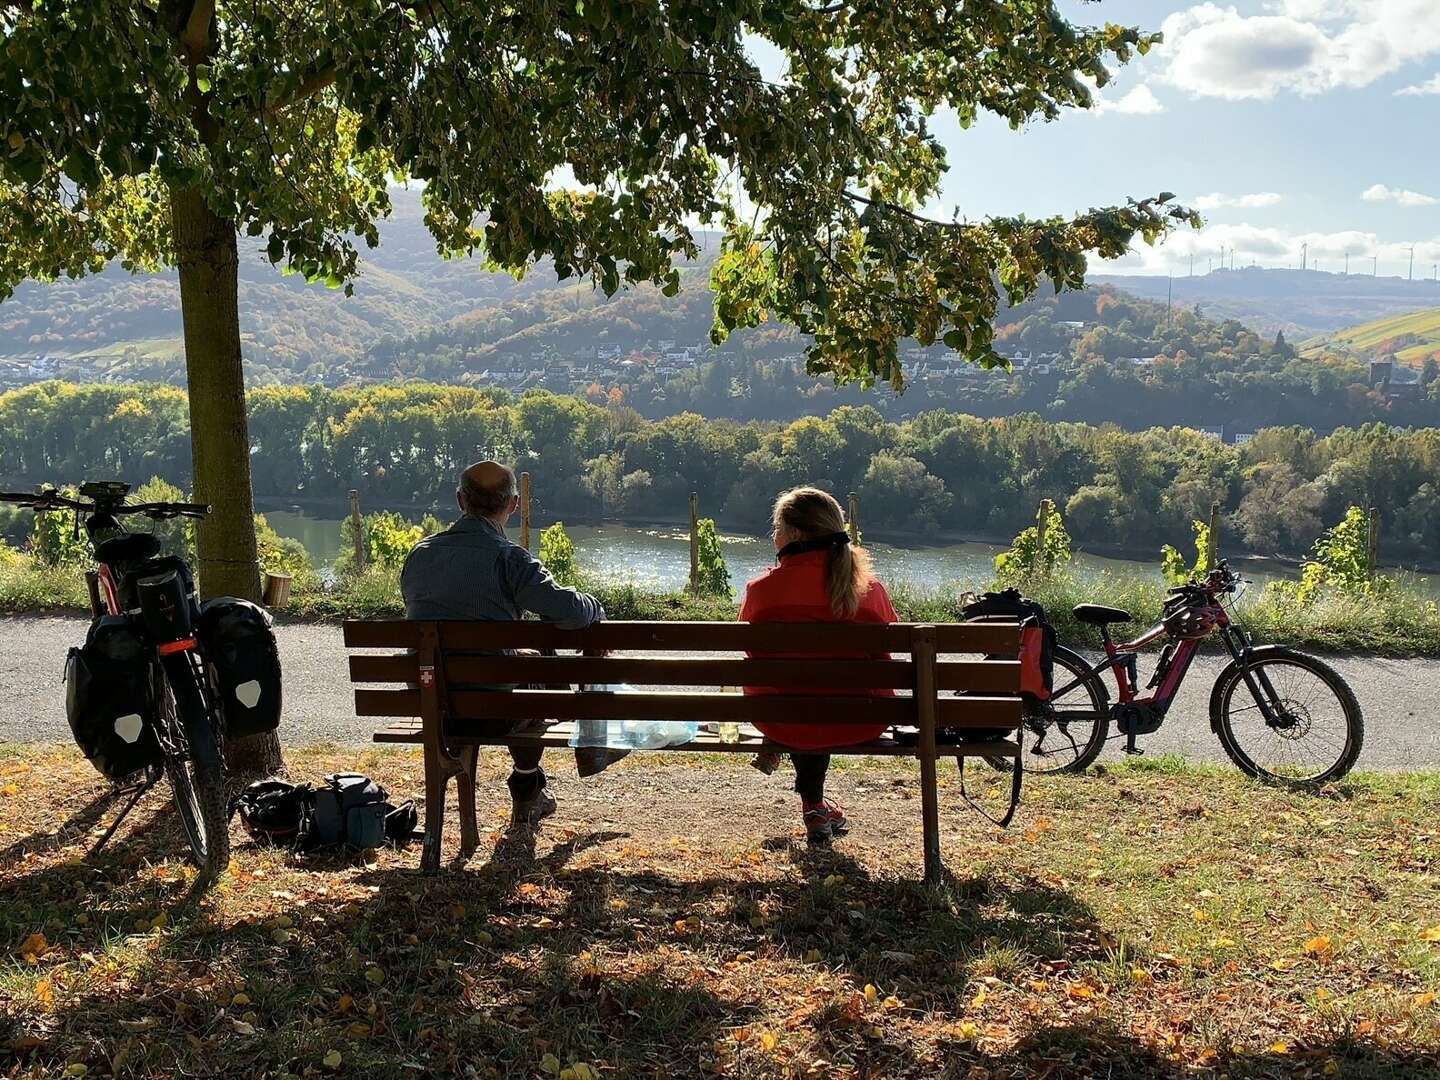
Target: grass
x: 1403, y: 622
x: 1150, y: 920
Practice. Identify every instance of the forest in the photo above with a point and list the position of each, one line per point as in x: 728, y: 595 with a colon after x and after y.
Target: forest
x: 938, y: 472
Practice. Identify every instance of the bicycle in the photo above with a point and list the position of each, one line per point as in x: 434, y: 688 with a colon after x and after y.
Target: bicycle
x: 152, y: 596
x: 1281, y: 715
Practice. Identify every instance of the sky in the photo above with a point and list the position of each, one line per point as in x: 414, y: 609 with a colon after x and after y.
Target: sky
x: 1285, y: 122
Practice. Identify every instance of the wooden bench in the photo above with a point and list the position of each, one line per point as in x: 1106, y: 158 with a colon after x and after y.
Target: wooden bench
x: 444, y: 669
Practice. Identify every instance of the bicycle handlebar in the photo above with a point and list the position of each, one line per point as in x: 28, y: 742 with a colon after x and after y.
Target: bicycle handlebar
x: 53, y: 500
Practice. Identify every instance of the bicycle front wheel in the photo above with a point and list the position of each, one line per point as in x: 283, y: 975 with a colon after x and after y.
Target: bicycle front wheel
x: 1287, y: 717
x: 198, y: 779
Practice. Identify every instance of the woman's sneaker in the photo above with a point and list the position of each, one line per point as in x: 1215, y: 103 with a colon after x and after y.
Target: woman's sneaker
x: 823, y: 820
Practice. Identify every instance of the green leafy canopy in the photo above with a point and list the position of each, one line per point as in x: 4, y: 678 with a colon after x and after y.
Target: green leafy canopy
x: 292, y: 117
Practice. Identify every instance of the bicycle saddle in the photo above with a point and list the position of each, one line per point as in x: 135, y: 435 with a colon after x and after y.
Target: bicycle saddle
x: 1099, y: 614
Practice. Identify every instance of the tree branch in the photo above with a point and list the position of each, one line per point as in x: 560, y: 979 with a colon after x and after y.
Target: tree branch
x: 309, y: 86
x: 196, y: 34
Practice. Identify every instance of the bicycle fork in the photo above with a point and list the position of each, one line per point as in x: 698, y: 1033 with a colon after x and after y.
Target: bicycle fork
x: 1256, y: 680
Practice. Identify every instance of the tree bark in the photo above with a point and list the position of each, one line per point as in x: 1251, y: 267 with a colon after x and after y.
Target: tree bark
x: 228, y: 564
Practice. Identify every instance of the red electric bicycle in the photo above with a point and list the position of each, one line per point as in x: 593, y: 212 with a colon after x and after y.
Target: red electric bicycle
x: 1281, y: 715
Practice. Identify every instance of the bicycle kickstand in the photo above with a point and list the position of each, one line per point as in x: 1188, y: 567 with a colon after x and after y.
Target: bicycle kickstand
x: 140, y: 790
x: 1130, y: 747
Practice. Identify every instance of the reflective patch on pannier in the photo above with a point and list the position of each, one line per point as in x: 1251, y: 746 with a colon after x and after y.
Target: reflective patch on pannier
x: 109, y: 698
x: 239, y: 642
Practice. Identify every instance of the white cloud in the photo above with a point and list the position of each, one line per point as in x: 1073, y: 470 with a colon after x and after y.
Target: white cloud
x: 1402, y: 196
x: 1141, y: 101
x: 1429, y: 86
x: 1304, y: 46
x: 1218, y: 200
x: 1271, y: 247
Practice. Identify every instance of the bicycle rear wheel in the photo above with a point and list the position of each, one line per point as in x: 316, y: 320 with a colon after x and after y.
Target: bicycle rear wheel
x: 1315, y: 729
x: 198, y: 780
x: 1067, y: 732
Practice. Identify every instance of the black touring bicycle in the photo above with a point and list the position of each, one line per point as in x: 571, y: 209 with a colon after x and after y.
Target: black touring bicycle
x: 162, y: 680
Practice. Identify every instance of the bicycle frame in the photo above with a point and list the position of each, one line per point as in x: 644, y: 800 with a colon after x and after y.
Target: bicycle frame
x: 1121, y: 659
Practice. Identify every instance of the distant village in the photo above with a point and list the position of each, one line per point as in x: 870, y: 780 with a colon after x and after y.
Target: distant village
x: 613, y: 366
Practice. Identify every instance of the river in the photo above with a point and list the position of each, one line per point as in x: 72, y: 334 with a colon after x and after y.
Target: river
x: 658, y: 556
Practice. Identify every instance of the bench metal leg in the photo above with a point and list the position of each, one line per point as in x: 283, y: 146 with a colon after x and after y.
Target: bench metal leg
x: 465, y: 783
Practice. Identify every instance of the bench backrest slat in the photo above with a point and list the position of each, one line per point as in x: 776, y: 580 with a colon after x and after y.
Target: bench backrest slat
x: 687, y: 636
x: 971, y: 711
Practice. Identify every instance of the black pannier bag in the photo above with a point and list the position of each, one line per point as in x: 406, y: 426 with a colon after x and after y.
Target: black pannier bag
x: 110, y: 699
x: 347, y: 809
x: 239, y: 643
x: 1037, y: 636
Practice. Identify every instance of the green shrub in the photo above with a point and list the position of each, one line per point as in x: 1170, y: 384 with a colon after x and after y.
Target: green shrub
x: 1026, y: 561
x: 1172, y: 563
x: 557, y: 552
x: 388, y: 539
x: 284, y: 555
x: 712, y: 576
x: 56, y: 541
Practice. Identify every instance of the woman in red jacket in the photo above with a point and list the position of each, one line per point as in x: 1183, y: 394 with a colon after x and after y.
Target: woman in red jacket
x: 819, y: 576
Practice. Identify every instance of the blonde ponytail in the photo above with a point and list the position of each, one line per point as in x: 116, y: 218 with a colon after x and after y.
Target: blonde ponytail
x: 812, y: 514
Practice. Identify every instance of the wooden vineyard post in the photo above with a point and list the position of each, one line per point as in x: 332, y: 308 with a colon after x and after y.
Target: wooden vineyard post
x: 357, y: 527
x: 1212, y: 549
x: 525, y: 510
x: 853, y: 527
x: 1372, y: 544
x: 1042, y: 521
x: 694, y: 542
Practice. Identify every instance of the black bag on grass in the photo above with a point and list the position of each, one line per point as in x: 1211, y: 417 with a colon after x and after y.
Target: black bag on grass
x: 110, y: 700
x: 239, y: 642
x: 347, y: 809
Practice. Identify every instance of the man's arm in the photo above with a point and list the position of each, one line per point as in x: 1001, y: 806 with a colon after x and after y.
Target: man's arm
x: 534, y: 589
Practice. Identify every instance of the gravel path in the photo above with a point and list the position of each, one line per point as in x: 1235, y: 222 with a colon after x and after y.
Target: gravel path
x: 1401, y: 698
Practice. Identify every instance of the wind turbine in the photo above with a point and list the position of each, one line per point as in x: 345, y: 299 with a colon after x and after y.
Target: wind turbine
x: 1412, y: 262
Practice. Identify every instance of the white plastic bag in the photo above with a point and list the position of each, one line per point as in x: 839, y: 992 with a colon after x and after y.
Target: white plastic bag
x: 631, y: 734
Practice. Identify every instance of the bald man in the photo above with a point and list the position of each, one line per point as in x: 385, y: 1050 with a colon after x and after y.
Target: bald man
x: 472, y: 570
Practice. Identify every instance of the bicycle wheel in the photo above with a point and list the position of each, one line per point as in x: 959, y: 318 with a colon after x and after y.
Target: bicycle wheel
x: 198, y: 781
x: 1315, y: 729
x: 1066, y: 733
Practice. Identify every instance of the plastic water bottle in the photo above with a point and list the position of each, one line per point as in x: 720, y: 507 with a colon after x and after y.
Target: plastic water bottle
x: 729, y: 731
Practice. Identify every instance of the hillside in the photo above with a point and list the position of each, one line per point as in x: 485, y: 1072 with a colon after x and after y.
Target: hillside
x: 1411, y: 338
x: 119, y: 325
x: 1302, y: 303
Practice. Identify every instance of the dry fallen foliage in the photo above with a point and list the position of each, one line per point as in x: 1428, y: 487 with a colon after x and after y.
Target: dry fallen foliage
x: 1148, y: 921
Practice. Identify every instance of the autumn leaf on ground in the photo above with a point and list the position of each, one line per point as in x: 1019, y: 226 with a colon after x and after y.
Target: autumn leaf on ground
x: 332, y: 1060
x: 1320, y: 947
x: 1430, y: 933
x: 33, y: 948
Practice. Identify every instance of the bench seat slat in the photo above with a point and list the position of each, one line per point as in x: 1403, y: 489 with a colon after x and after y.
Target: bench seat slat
x: 558, y: 735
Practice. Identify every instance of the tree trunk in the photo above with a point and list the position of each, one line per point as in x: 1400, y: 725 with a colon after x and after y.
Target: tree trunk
x: 206, y: 254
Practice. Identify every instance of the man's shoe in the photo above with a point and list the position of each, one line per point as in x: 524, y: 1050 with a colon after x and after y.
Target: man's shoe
x: 824, y: 820
x: 529, y: 812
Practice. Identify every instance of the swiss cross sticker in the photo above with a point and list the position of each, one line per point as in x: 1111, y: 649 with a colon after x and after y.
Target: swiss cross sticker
x: 427, y: 676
